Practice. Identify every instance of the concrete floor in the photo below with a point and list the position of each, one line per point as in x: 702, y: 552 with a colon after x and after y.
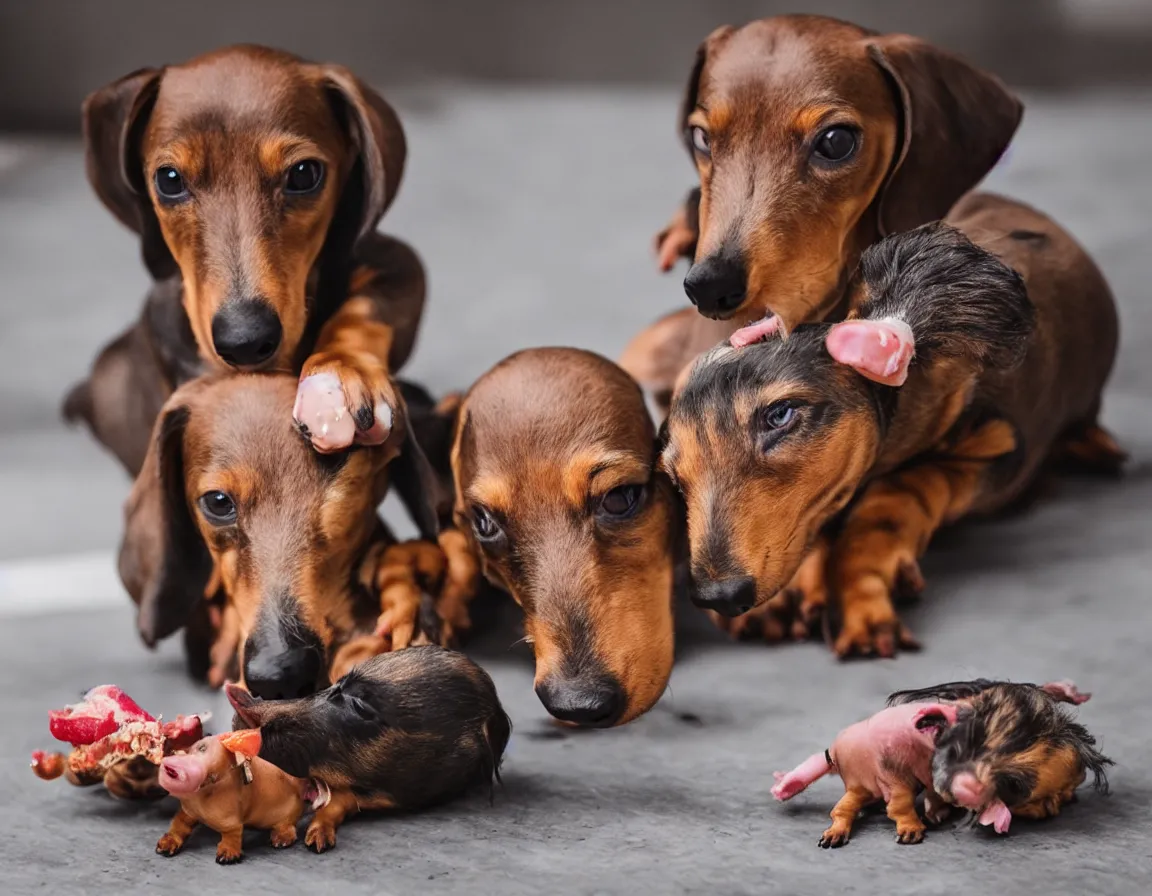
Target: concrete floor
x: 534, y: 212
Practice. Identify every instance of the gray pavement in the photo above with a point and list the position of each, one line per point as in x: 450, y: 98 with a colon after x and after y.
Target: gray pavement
x: 534, y: 211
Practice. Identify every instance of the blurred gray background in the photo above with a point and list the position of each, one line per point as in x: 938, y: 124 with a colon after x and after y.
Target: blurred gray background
x: 542, y: 160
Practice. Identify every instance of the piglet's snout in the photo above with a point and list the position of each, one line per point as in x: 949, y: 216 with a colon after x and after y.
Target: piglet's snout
x: 968, y: 792
x: 182, y: 775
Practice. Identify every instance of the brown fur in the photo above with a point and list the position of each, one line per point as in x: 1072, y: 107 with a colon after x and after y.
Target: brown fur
x: 930, y: 128
x: 307, y: 553
x: 272, y: 801
x: 540, y: 440
x: 990, y: 397
x: 232, y: 122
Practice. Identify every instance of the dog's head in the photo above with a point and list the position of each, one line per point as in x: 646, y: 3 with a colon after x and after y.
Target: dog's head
x: 557, y: 480
x: 420, y: 725
x: 240, y: 170
x: 769, y: 441
x: 813, y: 138
x: 231, y: 496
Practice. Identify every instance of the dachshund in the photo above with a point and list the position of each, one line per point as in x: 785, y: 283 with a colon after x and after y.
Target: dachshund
x: 234, y: 510
x: 812, y: 139
x: 255, y: 182
x: 956, y: 378
x: 557, y: 484
x: 403, y: 731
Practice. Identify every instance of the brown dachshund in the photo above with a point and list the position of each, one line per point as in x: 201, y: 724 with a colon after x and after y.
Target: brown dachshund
x: 255, y: 182
x: 234, y: 508
x: 557, y: 482
x: 812, y: 139
x: 780, y: 444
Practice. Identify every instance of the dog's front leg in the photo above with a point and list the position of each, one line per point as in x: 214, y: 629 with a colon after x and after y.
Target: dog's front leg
x: 346, y: 394
x: 876, y: 555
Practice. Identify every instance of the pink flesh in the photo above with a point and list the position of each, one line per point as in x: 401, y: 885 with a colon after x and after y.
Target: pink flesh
x: 791, y: 783
x: 103, y: 711
x: 997, y: 815
x: 320, y: 406
x: 182, y: 775
x: 1066, y: 692
x: 880, y: 350
x: 872, y: 753
x: 182, y: 732
x: 967, y: 791
x: 755, y: 332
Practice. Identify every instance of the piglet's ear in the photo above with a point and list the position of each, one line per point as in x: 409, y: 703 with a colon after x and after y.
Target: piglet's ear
x: 880, y: 350
x: 935, y: 715
x: 244, y: 743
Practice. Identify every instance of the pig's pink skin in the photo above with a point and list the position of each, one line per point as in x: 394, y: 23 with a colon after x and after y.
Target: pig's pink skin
x: 755, y: 332
x: 967, y: 791
x: 866, y: 753
x: 182, y: 775
x: 1066, y: 692
x: 811, y: 769
x: 102, y: 711
x: 997, y: 815
x: 881, y: 350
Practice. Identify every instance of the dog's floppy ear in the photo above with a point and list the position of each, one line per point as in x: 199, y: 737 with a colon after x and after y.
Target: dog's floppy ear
x: 114, y: 120
x: 956, y: 122
x: 381, y: 150
x: 415, y: 480
x: 164, y: 563
x: 689, y: 102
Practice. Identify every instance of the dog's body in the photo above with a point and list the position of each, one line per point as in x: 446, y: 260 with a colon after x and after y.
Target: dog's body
x: 255, y: 181
x: 1004, y: 371
x: 233, y: 509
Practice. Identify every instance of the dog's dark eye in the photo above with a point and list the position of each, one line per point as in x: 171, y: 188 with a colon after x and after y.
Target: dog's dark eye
x: 835, y: 145
x: 169, y: 183
x: 218, y: 508
x: 304, y: 177
x: 485, y: 525
x: 700, y: 141
x: 621, y: 502
x: 362, y: 709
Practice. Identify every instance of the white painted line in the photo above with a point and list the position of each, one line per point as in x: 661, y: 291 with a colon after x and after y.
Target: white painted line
x: 65, y: 582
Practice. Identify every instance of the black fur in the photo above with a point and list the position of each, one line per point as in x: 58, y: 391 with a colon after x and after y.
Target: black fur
x: 429, y: 719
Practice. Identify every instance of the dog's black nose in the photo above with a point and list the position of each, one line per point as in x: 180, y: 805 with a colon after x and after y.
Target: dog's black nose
x: 728, y: 597
x: 282, y: 656
x: 594, y: 702
x: 717, y: 284
x: 246, y: 333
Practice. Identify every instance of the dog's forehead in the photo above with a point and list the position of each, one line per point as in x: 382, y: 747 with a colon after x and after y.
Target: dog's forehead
x: 796, y: 60
x: 232, y: 91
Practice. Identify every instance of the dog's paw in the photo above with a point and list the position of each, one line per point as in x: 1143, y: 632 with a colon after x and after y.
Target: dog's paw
x: 169, y: 845
x: 341, y: 401
x: 321, y: 836
x: 870, y: 627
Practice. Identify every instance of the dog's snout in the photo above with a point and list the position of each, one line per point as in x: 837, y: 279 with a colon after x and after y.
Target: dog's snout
x: 282, y: 657
x: 717, y: 284
x: 594, y: 702
x: 728, y: 597
x: 246, y: 333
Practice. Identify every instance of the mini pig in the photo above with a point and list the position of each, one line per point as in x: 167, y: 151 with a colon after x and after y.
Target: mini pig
x: 401, y: 730
x: 886, y: 757
x: 1012, y: 749
x: 222, y: 784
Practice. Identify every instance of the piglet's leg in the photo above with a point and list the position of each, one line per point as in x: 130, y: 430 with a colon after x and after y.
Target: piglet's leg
x: 321, y: 834
x: 172, y: 842
x: 843, y: 817
x: 284, y: 835
x: 788, y: 784
x: 229, y: 850
x: 936, y: 809
x: 902, y: 810
x: 1066, y: 692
